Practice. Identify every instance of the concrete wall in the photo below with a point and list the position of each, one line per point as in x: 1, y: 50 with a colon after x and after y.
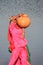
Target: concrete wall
x: 34, y: 33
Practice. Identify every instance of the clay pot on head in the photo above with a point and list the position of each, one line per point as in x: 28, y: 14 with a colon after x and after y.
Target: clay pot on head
x: 23, y: 21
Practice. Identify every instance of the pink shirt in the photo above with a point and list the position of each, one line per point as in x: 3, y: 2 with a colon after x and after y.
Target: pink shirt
x: 16, y: 35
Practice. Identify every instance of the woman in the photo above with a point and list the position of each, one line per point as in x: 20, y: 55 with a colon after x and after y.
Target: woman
x: 18, y: 43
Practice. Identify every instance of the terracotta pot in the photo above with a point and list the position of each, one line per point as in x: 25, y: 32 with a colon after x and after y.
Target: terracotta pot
x: 23, y: 21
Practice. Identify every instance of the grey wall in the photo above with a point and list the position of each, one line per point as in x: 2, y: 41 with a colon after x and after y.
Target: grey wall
x: 34, y: 33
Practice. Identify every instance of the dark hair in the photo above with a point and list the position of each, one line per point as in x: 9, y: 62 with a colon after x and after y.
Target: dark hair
x: 10, y: 21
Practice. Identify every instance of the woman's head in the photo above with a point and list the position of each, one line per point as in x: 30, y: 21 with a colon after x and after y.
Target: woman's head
x: 13, y: 19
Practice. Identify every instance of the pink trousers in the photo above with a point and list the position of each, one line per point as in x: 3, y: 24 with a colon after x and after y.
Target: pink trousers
x: 19, y: 57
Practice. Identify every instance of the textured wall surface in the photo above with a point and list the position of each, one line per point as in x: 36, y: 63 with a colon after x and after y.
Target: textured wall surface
x: 34, y: 33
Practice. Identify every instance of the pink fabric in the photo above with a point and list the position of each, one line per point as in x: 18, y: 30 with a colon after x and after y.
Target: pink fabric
x: 11, y: 43
x: 16, y: 34
x: 19, y: 53
x: 9, y: 36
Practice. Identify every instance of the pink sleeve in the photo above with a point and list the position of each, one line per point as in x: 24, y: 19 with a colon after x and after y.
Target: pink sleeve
x: 9, y: 35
